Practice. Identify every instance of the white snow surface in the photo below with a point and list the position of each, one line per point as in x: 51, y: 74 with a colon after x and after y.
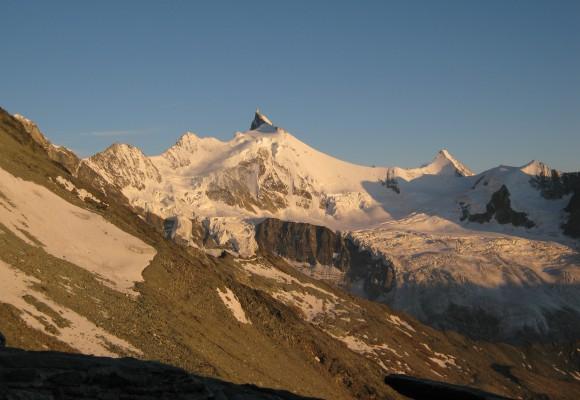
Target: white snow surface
x: 514, y: 278
x: 35, y: 214
x: 317, y: 188
x: 81, y: 193
x: 80, y: 333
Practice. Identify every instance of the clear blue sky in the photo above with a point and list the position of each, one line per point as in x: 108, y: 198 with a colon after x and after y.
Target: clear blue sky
x: 386, y: 83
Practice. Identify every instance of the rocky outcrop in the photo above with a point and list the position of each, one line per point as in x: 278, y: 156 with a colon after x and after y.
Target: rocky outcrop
x: 312, y: 244
x: 52, y: 375
x: 59, y: 154
x: 266, y: 192
x: 259, y: 120
x: 555, y: 185
x: 122, y: 166
x: 425, y: 389
x: 170, y: 226
x: 572, y: 226
x: 376, y: 273
x: 500, y: 207
x: 303, y: 242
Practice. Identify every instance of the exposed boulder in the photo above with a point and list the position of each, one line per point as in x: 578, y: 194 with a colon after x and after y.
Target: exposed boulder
x: 49, y: 375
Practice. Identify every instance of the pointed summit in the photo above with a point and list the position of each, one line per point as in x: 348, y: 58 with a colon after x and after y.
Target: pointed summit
x: 460, y: 168
x: 259, y: 120
x: 538, y: 168
x: 445, y: 164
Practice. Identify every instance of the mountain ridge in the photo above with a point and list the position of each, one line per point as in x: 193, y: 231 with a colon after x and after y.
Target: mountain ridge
x: 304, y: 335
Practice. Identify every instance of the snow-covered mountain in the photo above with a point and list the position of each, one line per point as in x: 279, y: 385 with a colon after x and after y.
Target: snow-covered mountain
x: 224, y: 187
x: 268, y: 172
x: 81, y: 272
x: 265, y: 171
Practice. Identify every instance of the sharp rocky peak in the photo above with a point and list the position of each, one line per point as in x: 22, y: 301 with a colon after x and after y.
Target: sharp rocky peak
x: 260, y: 120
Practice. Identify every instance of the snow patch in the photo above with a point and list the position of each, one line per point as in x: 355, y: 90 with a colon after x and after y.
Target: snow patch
x: 72, y: 233
x: 231, y: 301
x: 80, y: 333
x: 81, y: 193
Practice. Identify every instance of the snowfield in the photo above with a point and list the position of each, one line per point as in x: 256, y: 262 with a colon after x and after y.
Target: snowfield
x: 41, y: 218
x: 268, y: 172
x: 438, y: 263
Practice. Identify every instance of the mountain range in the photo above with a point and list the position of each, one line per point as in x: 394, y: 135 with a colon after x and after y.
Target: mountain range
x: 262, y: 260
x: 467, y: 221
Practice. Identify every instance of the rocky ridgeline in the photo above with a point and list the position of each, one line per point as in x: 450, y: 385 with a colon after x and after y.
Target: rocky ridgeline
x: 58, y: 154
x: 53, y: 375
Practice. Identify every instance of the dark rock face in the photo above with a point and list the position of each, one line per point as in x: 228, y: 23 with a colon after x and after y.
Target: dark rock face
x: 53, y: 375
x: 391, y: 182
x: 170, y: 226
x: 551, y: 186
x: 426, y: 389
x: 2, y: 340
x: 571, y: 184
x: 558, y: 185
x: 313, y: 244
x: 572, y: 226
x: 259, y: 120
x: 303, y: 242
x: 500, y: 207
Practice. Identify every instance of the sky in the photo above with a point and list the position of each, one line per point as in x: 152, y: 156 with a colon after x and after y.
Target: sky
x: 372, y: 82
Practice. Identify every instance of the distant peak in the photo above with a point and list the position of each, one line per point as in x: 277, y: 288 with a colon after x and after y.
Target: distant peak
x: 536, y: 167
x: 187, y: 137
x: 444, y: 158
x: 259, y: 120
x: 118, y: 147
x: 445, y: 153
